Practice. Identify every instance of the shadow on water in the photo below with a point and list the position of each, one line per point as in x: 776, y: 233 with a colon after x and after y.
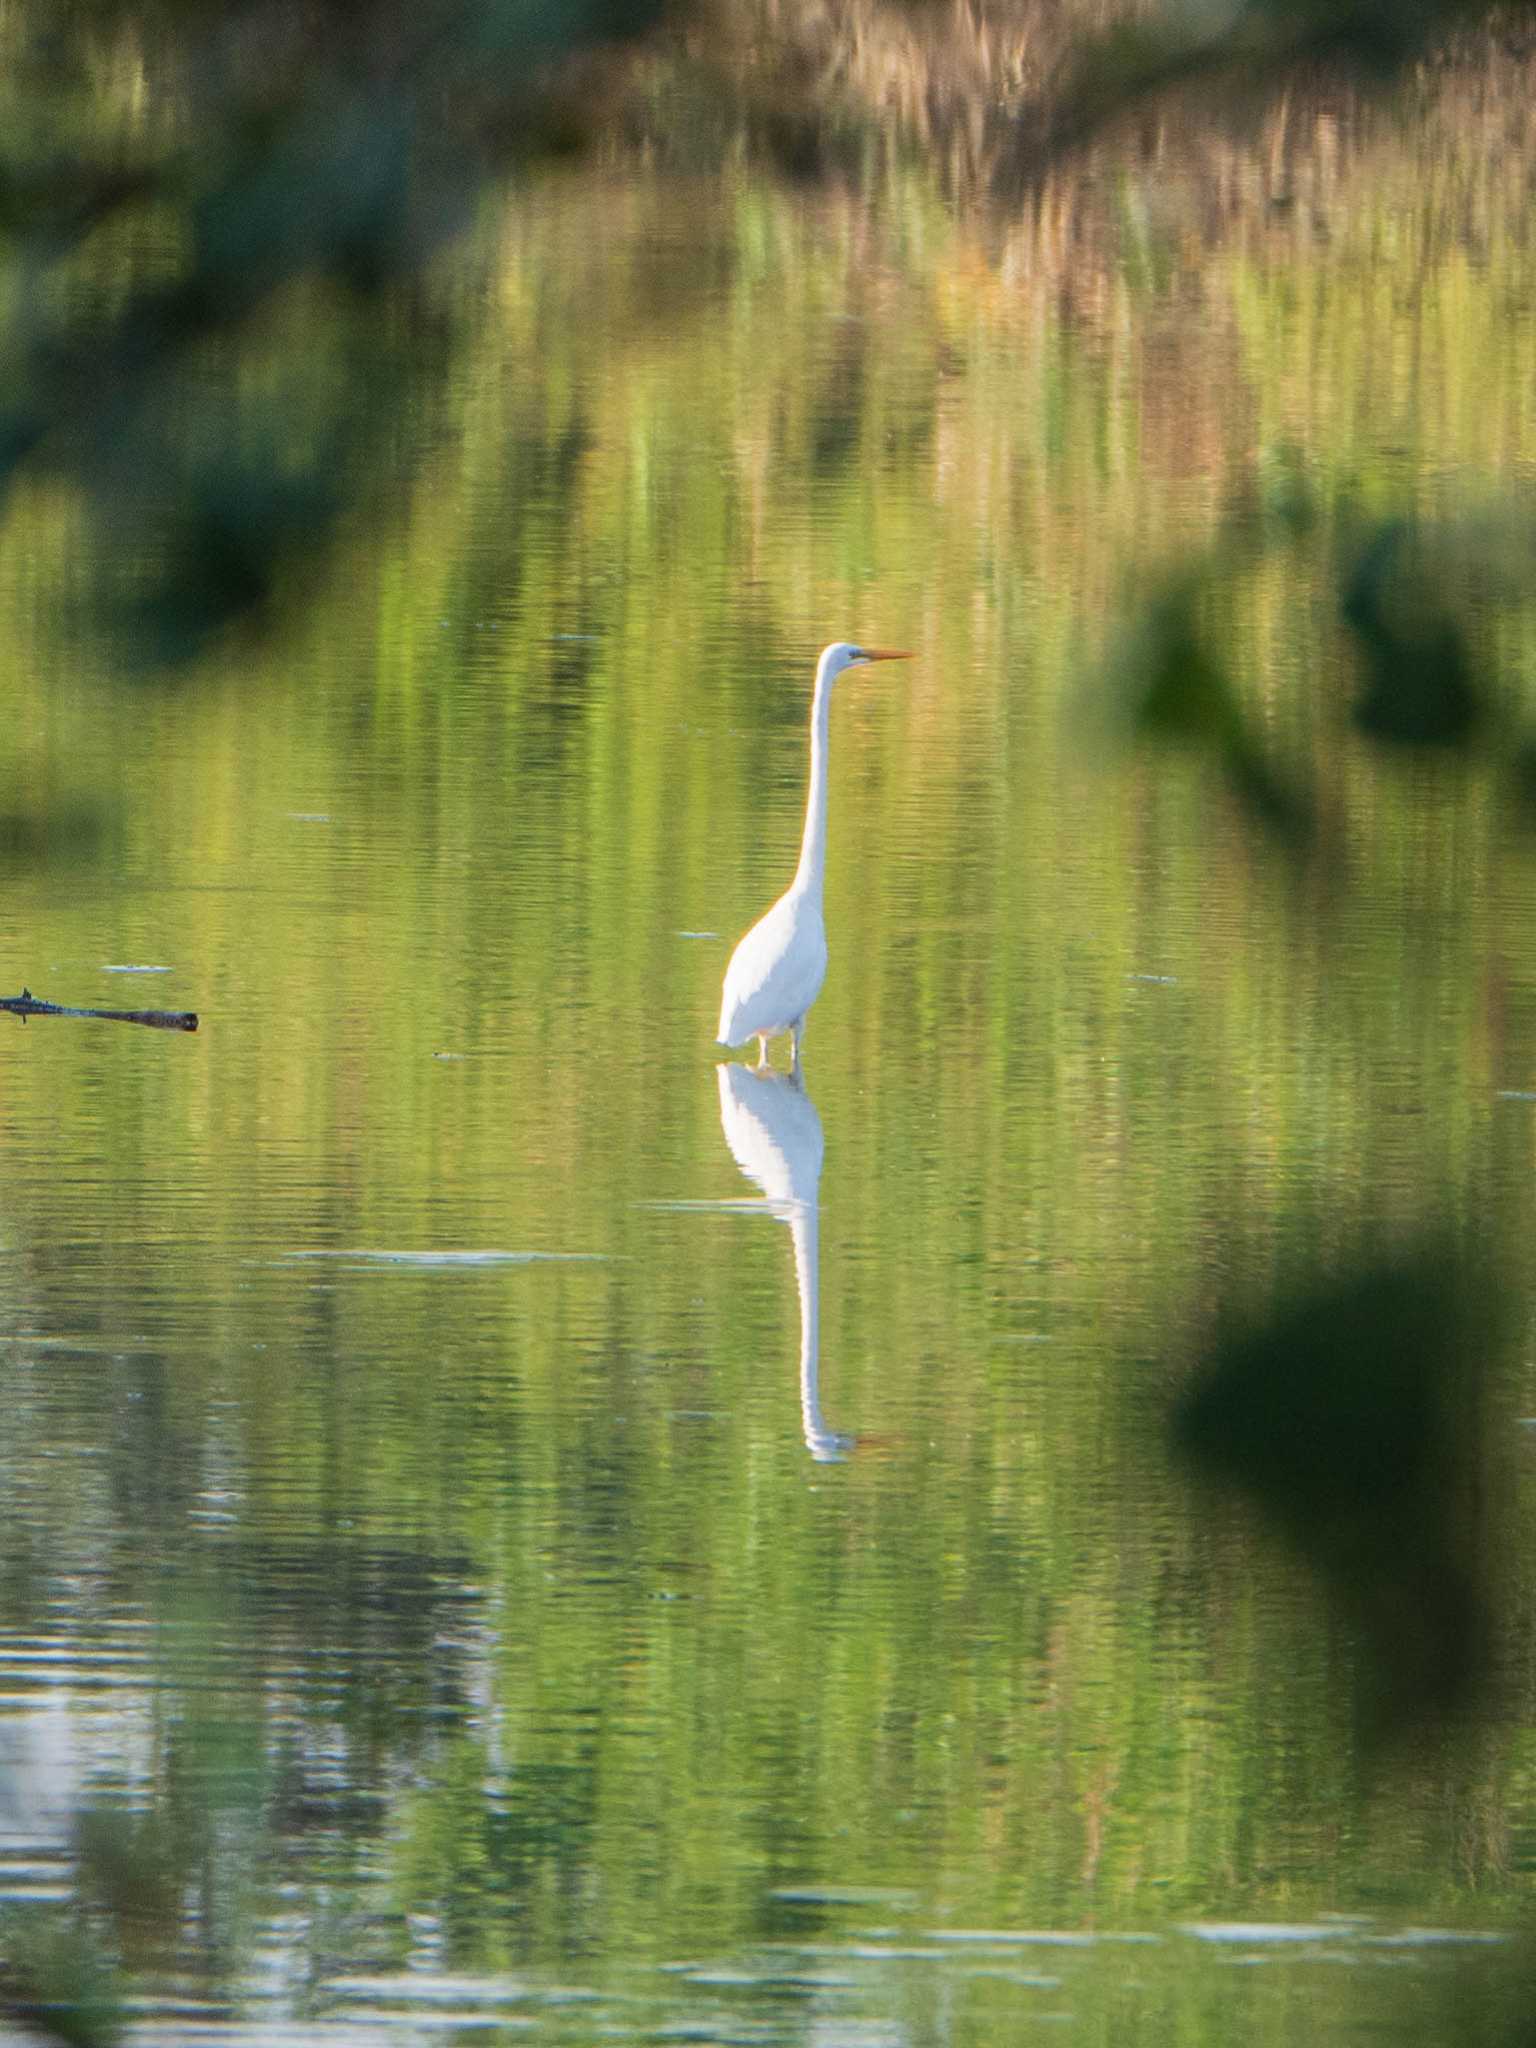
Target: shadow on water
x: 774, y: 1133
x: 1349, y: 1406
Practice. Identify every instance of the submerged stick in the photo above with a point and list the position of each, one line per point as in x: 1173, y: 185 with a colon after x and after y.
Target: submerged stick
x: 28, y: 1005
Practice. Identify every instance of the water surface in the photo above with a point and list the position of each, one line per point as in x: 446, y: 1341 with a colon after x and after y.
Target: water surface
x: 511, y: 1534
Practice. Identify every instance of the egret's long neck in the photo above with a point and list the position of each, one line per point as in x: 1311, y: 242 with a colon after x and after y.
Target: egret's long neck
x: 813, y: 843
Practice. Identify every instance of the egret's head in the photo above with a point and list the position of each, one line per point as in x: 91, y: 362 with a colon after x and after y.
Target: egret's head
x: 844, y: 654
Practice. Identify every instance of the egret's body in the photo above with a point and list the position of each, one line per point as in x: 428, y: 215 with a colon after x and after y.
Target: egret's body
x: 777, y: 970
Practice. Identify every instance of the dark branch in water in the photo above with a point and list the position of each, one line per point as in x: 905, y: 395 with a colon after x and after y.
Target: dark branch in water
x: 28, y: 1005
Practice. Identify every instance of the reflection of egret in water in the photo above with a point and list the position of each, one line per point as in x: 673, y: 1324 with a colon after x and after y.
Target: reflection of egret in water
x: 774, y: 1133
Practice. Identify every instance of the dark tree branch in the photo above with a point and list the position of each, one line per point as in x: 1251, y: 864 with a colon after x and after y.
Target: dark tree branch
x: 28, y: 1005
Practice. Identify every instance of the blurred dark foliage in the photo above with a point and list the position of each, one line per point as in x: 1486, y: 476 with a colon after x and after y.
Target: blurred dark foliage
x: 243, y: 152
x: 1412, y: 601
x: 329, y: 148
x: 56, y: 834
x: 1184, y: 695
x: 1240, y: 52
x: 1419, y: 689
x: 1349, y: 1409
x: 1173, y: 680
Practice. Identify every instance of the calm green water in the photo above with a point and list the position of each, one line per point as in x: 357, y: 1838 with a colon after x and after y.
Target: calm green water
x: 484, y: 1569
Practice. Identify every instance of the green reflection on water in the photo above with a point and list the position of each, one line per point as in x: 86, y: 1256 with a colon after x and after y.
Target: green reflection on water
x: 560, y: 1654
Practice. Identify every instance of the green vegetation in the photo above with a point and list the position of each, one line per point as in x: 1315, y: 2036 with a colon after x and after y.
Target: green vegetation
x: 506, y: 1599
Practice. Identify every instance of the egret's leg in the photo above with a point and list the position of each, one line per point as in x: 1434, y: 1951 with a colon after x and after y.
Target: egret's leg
x: 796, y: 1033
x: 762, y: 1050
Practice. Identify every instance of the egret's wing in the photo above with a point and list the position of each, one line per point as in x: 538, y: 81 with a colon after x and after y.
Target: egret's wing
x: 763, y: 973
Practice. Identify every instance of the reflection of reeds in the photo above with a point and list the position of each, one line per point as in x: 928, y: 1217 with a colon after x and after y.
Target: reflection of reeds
x: 979, y: 92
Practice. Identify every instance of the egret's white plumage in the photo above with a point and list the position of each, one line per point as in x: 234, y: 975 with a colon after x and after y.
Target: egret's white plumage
x: 777, y: 970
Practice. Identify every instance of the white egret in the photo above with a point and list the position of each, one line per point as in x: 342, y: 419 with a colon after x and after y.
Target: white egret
x: 777, y: 970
